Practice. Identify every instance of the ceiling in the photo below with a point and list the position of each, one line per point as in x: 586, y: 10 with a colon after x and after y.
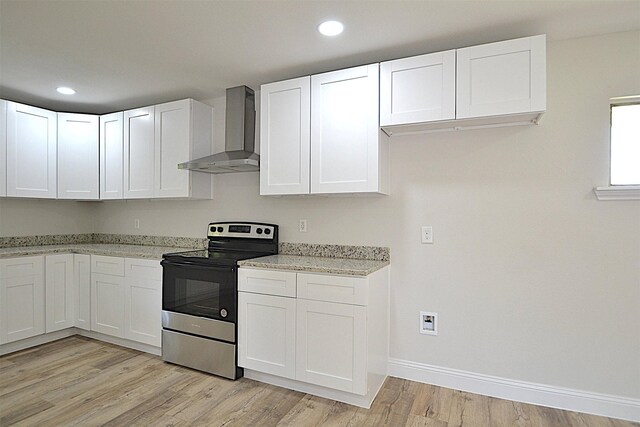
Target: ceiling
x: 121, y: 54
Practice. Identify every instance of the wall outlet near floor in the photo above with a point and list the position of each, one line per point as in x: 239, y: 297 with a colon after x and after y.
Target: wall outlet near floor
x: 427, y: 234
x: 136, y: 223
x: 303, y: 225
x: 428, y: 323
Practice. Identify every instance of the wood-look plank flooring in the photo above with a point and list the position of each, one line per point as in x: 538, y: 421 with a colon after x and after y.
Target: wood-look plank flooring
x: 78, y: 381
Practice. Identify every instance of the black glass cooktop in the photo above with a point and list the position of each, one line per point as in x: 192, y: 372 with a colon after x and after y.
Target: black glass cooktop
x: 206, y: 257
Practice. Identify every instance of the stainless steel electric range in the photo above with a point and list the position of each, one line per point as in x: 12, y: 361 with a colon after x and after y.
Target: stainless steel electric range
x: 200, y: 296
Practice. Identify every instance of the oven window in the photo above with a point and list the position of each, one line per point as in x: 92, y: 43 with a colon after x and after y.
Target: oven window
x: 200, y: 291
x: 197, y: 297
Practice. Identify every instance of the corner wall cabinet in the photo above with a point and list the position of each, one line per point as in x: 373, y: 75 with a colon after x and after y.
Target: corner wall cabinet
x: 496, y: 84
x: 317, y: 329
x: 139, y: 152
x: 320, y: 135
x: 111, y: 156
x: 31, y: 152
x: 22, y: 303
x: 78, y: 143
x: 3, y: 147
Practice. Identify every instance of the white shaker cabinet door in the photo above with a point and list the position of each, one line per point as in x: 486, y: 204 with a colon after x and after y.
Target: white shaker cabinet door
x: 107, y: 304
x: 111, y: 156
x: 418, y: 89
x: 59, y: 292
x: 143, y: 301
x: 139, y: 153
x: 82, y: 287
x: 331, y: 345
x: 345, y: 131
x: 3, y: 147
x: 78, y: 143
x: 506, y: 77
x: 285, y: 132
x: 31, y: 152
x: 21, y: 298
x: 172, y: 142
x: 267, y: 334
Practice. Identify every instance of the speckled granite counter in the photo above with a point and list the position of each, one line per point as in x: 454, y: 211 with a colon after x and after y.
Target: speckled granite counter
x: 314, y: 264
x: 131, y: 251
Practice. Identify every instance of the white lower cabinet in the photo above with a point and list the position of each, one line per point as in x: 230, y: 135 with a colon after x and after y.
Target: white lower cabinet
x: 59, y: 291
x: 126, y: 298
x: 267, y: 334
x: 21, y: 298
x: 82, y: 288
x: 143, y: 301
x: 331, y: 345
x: 326, y: 330
x: 107, y: 304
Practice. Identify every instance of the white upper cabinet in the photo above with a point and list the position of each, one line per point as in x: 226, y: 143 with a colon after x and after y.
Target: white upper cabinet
x: 418, y: 89
x: 285, y: 137
x: 31, y: 151
x: 139, y: 153
x: 3, y: 147
x: 507, y: 77
x: 495, y: 84
x: 183, y: 131
x: 111, y: 156
x: 320, y: 135
x: 78, y: 156
x: 347, y: 150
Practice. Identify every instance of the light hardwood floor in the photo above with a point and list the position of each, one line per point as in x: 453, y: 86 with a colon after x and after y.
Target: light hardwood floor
x: 80, y: 381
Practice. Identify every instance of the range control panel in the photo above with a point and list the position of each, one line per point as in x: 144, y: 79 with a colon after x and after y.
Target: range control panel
x: 247, y: 230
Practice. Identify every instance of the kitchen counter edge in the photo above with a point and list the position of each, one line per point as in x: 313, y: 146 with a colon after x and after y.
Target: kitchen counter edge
x: 105, y: 249
x: 312, y: 264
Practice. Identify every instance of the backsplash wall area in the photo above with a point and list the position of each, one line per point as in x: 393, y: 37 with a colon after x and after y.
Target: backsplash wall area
x: 524, y: 259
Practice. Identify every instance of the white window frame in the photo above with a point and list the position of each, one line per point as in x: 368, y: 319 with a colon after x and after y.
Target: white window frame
x: 618, y: 192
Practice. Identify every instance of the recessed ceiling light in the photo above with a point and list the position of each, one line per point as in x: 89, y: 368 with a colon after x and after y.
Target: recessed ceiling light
x: 330, y: 28
x: 65, y: 90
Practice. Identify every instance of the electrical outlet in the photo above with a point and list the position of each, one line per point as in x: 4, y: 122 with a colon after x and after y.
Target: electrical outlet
x: 303, y: 225
x: 427, y: 234
x: 428, y: 323
x: 136, y: 223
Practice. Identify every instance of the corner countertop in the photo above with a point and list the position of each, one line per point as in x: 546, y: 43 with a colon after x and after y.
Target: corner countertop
x: 315, y: 264
x: 119, y: 250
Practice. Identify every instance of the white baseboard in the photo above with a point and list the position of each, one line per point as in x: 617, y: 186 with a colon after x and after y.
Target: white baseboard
x: 34, y: 341
x: 54, y: 336
x: 520, y: 391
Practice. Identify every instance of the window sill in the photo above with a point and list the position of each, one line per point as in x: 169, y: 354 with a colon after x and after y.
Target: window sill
x: 618, y: 192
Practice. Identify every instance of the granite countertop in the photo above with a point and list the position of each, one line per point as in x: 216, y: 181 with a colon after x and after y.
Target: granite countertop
x: 120, y: 250
x: 314, y: 264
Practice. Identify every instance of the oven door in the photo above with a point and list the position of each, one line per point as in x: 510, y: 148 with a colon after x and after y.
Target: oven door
x: 199, y: 290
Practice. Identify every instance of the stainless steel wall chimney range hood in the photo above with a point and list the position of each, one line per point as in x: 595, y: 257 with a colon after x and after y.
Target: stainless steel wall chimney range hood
x: 239, y: 138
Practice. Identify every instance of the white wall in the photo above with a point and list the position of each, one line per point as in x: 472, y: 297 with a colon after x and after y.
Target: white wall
x: 30, y: 217
x: 532, y: 277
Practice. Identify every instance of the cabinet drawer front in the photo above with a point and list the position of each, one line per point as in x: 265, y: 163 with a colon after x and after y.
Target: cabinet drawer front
x: 281, y: 283
x: 346, y: 290
x: 18, y: 267
x: 113, y: 266
x: 143, y: 268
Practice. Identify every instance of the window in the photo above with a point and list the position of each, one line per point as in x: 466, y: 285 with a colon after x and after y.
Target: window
x: 625, y: 151
x: 625, y: 144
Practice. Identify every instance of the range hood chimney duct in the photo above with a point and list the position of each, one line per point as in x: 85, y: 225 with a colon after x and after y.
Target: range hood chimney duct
x: 239, y: 138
